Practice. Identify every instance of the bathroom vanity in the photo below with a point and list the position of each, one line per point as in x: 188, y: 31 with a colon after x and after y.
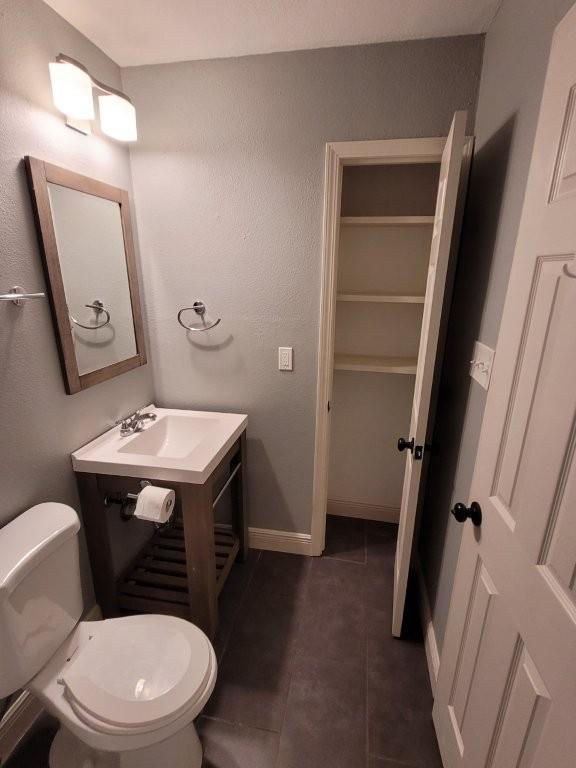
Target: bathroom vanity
x: 183, y: 565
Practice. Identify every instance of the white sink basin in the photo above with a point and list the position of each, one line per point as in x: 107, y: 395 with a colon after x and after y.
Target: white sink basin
x: 181, y: 446
x: 171, y: 436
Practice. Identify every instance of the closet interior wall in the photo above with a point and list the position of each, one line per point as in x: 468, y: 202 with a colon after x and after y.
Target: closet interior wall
x: 386, y: 225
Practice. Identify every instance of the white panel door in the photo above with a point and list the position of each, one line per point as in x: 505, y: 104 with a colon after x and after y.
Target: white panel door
x: 506, y: 695
x: 446, y: 204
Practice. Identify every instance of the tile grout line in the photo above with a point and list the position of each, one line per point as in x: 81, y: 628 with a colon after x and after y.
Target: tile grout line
x: 235, y: 724
x: 238, y: 607
x: 291, y: 673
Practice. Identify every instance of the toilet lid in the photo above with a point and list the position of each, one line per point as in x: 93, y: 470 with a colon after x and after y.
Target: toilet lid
x: 139, y: 671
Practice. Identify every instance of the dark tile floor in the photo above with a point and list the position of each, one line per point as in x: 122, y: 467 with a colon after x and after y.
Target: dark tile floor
x: 309, y: 674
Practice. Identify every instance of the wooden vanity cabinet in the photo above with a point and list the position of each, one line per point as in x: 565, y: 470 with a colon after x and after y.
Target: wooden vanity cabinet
x: 182, y: 568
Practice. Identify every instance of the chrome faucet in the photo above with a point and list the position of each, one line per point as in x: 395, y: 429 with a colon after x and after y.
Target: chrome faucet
x: 133, y: 422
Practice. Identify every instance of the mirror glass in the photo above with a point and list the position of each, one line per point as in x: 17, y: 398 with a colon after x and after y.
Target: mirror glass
x: 90, y: 243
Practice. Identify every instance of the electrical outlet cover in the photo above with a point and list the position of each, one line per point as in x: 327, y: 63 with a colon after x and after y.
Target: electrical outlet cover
x: 285, y: 358
x: 481, y: 364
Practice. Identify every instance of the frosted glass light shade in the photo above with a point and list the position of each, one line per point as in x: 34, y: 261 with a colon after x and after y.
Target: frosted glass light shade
x: 72, y: 90
x: 117, y: 118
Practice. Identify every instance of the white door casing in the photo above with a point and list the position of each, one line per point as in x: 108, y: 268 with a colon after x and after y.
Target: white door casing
x: 443, y: 238
x: 339, y: 154
x: 506, y: 694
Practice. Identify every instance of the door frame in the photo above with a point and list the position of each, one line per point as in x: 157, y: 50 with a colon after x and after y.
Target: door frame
x: 339, y: 154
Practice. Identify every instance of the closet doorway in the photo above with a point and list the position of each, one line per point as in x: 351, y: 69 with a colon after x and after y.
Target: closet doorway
x: 392, y: 215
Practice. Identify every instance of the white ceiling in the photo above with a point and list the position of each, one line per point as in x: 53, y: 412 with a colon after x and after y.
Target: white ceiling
x: 134, y: 32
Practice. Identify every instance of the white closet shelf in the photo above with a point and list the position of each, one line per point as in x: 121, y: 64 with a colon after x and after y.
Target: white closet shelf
x: 380, y: 298
x: 386, y: 221
x: 375, y: 364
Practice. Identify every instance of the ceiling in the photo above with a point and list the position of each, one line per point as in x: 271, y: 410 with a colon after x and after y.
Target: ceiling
x: 134, y: 32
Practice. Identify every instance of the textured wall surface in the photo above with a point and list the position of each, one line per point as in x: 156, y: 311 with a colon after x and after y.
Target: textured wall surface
x: 228, y: 183
x: 41, y: 425
x: 515, y: 58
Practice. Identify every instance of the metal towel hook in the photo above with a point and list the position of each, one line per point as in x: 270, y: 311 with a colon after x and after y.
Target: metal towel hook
x: 200, y: 308
x: 98, y: 307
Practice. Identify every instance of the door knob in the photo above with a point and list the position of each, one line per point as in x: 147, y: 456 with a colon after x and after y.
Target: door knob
x: 461, y: 512
x: 404, y: 444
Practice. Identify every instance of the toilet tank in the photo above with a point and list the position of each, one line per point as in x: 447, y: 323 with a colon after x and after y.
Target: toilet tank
x: 40, y: 590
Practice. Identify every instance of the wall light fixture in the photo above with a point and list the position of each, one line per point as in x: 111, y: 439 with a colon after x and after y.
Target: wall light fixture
x: 72, y: 91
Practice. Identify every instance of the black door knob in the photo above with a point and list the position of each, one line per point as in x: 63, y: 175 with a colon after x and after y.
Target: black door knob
x: 403, y: 444
x: 461, y: 512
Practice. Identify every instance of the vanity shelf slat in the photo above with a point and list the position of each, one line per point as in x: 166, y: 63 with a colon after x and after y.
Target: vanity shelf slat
x: 152, y: 564
x: 173, y: 531
x: 158, y: 579
x: 175, y: 544
x: 154, y: 593
x: 141, y: 576
x: 133, y: 604
x: 165, y: 553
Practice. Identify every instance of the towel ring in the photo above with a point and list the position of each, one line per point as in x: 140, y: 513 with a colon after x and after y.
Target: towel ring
x: 98, y: 307
x: 200, y: 308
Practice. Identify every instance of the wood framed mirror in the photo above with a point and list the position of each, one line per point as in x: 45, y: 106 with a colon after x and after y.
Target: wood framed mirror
x: 85, y: 237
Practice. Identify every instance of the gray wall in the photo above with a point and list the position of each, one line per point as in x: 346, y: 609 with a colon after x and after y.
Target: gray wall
x: 228, y: 182
x: 515, y: 57
x: 41, y: 425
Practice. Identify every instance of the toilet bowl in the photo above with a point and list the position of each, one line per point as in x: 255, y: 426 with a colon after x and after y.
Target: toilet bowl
x: 125, y: 685
x: 125, y: 691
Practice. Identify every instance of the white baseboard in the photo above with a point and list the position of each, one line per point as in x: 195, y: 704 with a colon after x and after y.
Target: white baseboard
x: 430, y: 642
x: 280, y: 541
x: 364, y: 511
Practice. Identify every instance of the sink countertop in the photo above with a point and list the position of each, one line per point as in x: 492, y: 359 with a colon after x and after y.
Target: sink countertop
x: 180, y: 446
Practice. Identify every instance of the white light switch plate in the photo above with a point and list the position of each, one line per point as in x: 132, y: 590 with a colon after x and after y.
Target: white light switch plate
x: 285, y: 358
x: 481, y: 364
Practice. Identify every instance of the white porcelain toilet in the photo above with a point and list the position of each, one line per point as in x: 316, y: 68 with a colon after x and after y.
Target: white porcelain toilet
x: 126, y: 691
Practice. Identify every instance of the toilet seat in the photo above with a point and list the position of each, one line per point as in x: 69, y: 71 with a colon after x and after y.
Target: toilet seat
x: 138, y: 673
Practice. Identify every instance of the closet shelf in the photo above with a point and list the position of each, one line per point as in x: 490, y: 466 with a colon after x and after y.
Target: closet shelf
x: 380, y: 298
x: 375, y: 364
x: 386, y: 221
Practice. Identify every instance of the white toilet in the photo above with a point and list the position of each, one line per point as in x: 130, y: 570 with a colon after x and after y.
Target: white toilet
x: 126, y: 691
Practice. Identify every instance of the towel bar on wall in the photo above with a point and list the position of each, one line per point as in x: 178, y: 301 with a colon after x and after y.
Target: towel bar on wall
x: 17, y: 295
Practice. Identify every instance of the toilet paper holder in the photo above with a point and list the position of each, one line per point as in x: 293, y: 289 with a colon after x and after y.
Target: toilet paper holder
x: 126, y: 502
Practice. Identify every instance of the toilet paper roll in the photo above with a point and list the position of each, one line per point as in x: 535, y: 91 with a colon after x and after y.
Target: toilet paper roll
x: 155, y: 504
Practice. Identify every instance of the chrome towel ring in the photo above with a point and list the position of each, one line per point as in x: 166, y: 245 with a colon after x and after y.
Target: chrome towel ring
x: 200, y: 308
x: 98, y: 308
